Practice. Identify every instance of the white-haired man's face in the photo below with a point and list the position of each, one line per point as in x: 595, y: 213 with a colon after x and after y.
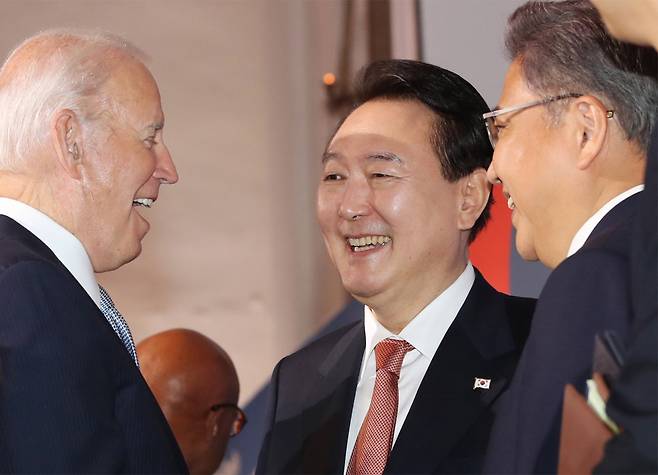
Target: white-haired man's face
x: 125, y: 162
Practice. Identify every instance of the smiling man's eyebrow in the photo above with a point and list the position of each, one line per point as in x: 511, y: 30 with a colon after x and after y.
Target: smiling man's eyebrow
x: 385, y: 156
x: 326, y: 156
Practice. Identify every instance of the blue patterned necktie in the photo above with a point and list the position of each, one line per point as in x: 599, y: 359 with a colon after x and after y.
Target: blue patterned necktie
x: 118, y: 324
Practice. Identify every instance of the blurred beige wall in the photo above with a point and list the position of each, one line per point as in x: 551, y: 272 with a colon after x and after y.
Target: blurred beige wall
x: 234, y: 251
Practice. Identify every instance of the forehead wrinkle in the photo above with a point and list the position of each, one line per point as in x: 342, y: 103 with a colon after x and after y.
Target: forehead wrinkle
x: 366, y: 139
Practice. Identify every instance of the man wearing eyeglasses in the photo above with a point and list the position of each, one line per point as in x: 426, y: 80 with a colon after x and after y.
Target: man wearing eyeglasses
x: 571, y: 135
x: 197, y: 387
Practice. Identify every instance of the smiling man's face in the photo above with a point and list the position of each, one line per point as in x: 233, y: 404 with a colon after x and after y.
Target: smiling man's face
x: 531, y: 161
x: 388, y: 216
x: 127, y: 162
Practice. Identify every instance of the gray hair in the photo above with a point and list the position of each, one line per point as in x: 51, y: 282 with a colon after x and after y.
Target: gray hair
x: 563, y: 47
x: 51, y: 71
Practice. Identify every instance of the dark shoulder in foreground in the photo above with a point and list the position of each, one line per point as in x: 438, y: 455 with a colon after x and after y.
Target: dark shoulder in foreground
x: 321, y: 346
x: 17, y: 244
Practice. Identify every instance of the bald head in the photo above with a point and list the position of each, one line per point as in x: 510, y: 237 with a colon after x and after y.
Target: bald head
x: 188, y: 374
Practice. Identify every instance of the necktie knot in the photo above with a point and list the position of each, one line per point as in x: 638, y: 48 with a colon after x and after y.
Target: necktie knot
x: 390, y: 353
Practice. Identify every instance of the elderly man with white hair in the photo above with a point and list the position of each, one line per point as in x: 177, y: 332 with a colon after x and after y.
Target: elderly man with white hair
x: 81, y: 151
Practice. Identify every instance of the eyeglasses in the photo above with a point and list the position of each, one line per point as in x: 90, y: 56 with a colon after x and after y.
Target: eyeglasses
x: 240, y: 417
x: 490, y: 117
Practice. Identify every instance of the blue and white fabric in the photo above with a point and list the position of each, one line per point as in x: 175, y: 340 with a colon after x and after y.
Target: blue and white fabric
x: 118, y: 323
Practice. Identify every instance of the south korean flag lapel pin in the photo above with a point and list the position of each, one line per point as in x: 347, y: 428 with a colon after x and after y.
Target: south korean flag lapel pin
x: 481, y: 383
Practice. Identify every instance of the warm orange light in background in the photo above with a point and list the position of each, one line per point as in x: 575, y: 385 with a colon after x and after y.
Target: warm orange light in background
x: 329, y: 79
x: 491, y: 250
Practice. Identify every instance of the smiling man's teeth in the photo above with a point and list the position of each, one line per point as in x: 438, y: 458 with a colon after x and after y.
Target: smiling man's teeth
x: 143, y: 202
x: 367, y: 242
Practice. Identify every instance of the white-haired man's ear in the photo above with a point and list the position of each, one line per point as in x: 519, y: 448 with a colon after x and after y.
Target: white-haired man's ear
x: 67, y: 142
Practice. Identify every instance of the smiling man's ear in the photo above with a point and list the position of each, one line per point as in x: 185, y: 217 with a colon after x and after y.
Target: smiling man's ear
x: 592, y: 127
x: 474, y: 195
x: 67, y: 141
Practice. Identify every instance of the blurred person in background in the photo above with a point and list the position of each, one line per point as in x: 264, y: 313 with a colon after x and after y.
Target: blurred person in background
x: 197, y: 387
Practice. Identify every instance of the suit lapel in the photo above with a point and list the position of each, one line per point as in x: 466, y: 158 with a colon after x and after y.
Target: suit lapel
x: 446, y: 405
x: 329, y: 408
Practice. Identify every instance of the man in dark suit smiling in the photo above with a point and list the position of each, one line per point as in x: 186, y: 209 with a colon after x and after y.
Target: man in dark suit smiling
x: 571, y: 136
x: 80, y: 150
x: 413, y: 388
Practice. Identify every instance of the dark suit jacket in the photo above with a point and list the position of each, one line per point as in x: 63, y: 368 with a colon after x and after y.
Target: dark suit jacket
x: 447, y: 427
x: 587, y: 293
x: 633, y: 402
x: 71, y: 397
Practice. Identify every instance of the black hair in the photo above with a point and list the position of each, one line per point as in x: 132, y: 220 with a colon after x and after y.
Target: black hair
x: 458, y: 134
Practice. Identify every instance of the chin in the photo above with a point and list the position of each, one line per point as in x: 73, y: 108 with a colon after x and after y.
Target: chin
x: 525, y: 249
x: 524, y: 238
x: 131, y: 256
x: 123, y: 258
x: 362, y: 291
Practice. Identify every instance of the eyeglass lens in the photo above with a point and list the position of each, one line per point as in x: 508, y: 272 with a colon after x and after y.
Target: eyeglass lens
x: 238, y: 423
x: 492, y: 131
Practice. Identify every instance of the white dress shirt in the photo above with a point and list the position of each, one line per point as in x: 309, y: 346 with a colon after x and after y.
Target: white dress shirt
x: 66, y: 247
x: 586, y: 229
x: 425, y: 333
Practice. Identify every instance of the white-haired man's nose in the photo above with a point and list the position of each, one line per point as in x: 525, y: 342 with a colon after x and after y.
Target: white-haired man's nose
x: 165, y: 170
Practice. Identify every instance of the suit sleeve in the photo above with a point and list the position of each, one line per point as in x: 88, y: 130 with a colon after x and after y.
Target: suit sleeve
x: 263, y: 458
x: 56, y: 393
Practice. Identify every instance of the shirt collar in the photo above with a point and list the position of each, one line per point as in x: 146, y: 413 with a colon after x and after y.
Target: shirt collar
x: 66, y: 247
x: 427, y: 329
x: 586, y: 229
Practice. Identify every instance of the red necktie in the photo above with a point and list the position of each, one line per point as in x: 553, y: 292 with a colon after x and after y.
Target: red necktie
x: 373, y: 444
